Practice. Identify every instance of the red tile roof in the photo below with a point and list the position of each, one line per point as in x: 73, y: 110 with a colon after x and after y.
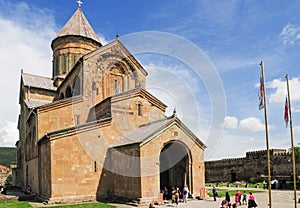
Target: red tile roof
x: 3, y: 168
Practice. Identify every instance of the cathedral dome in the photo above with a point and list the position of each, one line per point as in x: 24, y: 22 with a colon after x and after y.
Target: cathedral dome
x: 76, y: 39
x: 78, y: 26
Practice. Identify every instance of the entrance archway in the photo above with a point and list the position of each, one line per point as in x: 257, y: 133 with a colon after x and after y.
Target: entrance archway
x: 175, y: 170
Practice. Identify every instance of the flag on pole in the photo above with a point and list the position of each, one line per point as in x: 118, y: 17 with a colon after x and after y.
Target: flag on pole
x: 261, y: 95
x: 286, y: 112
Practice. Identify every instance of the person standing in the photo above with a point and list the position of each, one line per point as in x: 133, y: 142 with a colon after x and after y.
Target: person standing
x: 166, y: 193
x: 214, y: 190
x: 185, y: 193
x: 173, y: 195
x: 177, y: 197
x: 227, y: 197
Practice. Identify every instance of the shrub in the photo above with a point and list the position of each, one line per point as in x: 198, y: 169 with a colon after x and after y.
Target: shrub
x: 9, y: 180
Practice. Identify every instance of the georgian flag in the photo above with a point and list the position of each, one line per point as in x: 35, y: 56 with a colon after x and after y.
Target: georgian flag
x: 286, y: 112
x: 260, y: 95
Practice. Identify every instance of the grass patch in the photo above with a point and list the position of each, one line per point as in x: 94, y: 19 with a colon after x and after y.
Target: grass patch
x: 89, y: 205
x: 23, y: 204
x: 236, y: 185
x: 222, y: 192
x: 15, y: 204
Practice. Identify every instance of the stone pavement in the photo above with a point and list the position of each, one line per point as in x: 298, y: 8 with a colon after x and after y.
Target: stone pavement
x: 280, y: 199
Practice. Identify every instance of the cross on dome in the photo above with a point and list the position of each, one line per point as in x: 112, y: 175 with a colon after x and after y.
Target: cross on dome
x: 79, y: 3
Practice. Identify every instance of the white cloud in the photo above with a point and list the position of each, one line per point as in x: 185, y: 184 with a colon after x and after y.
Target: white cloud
x: 251, y: 124
x: 235, y: 146
x: 290, y: 34
x: 280, y: 87
x: 26, y: 33
x: 230, y: 122
x: 171, y: 87
x: 104, y: 41
x: 25, y: 44
x: 295, y: 110
x: 231, y: 63
x: 9, y: 134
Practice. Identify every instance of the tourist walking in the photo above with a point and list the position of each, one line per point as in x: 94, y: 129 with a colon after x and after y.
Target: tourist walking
x: 244, y: 201
x: 185, y: 193
x: 238, y: 197
x: 251, y: 201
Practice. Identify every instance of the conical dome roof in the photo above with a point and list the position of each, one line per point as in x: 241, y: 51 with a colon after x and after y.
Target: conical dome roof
x: 76, y: 39
x: 78, y: 26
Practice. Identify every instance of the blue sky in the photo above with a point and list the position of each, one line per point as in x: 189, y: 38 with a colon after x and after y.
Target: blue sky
x: 234, y: 35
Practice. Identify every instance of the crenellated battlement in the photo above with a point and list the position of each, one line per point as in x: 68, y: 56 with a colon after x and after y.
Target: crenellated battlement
x: 253, y: 165
x: 226, y: 160
x: 282, y: 154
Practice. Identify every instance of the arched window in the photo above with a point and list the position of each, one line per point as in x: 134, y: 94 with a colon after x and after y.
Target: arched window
x: 68, y: 92
x: 139, y: 109
x: 94, y: 92
x: 94, y: 86
x: 116, y: 87
x: 77, y: 86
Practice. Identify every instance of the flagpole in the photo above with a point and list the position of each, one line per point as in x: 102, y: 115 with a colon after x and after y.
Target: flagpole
x: 292, y: 142
x: 267, y: 135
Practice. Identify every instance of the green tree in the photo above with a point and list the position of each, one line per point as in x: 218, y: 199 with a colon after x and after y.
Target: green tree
x: 297, y: 153
x: 9, y: 180
x: 7, y: 156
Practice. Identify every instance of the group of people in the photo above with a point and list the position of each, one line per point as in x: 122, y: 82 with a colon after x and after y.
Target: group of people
x: 239, y: 200
x: 176, y: 193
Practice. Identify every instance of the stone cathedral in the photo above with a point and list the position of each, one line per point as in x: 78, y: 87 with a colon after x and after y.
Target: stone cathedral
x: 92, y: 130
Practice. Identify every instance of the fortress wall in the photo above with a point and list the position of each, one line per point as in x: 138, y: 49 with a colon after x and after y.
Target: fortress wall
x: 253, y: 165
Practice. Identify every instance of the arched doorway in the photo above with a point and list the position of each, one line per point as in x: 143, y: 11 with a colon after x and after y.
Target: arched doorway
x: 175, y: 170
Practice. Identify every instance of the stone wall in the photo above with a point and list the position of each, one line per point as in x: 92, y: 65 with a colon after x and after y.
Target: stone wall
x: 45, y: 169
x: 253, y: 165
x: 121, y: 173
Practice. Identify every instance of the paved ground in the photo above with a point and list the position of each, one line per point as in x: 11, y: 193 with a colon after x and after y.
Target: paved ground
x: 280, y: 199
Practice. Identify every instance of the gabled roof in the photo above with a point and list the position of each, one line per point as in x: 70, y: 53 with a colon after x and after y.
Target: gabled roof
x: 139, y: 91
x: 140, y: 134
x: 35, y: 81
x: 78, y: 25
x: 127, y: 53
x: 147, y: 132
x: 35, y: 103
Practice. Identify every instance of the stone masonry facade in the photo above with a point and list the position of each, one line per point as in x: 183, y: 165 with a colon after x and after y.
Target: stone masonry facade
x: 93, y: 131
